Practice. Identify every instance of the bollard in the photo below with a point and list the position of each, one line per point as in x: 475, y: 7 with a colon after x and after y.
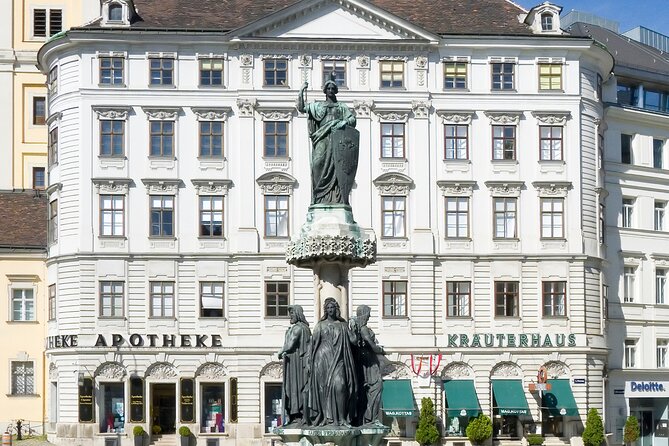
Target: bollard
x: 6, y: 439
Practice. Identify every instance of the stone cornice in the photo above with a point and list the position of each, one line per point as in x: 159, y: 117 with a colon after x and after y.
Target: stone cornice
x: 162, y: 113
x: 552, y: 118
x: 112, y: 185
x: 214, y: 187
x: 505, y: 188
x: 456, y: 117
x: 276, y: 183
x: 112, y: 112
x: 552, y: 188
x: 211, y: 114
x: 170, y: 187
x: 457, y: 188
x: 392, y: 116
x: 276, y: 115
x: 393, y: 184
x: 504, y: 117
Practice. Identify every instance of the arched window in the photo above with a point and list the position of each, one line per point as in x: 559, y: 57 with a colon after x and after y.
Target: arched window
x: 115, y: 12
x: 547, y: 22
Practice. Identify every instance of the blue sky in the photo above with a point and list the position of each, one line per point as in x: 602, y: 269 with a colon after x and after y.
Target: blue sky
x: 653, y: 14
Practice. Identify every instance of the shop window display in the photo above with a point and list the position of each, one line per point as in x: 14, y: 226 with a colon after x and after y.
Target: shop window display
x: 273, y: 407
x: 456, y: 426
x: 212, y: 410
x: 506, y: 426
x: 112, y: 409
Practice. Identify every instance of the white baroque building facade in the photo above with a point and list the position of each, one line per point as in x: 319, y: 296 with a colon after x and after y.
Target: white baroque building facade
x: 179, y: 168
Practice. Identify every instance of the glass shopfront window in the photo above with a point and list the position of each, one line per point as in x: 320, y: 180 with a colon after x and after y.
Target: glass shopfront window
x: 112, y: 408
x: 456, y: 426
x: 505, y: 426
x: 273, y: 406
x: 552, y: 424
x: 212, y: 408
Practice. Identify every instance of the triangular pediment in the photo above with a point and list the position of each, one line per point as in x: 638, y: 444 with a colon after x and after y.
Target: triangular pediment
x: 328, y: 19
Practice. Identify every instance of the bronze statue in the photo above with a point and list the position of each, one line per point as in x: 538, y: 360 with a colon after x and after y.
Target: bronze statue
x: 295, y: 355
x: 370, y: 362
x: 335, y: 142
x: 333, y: 380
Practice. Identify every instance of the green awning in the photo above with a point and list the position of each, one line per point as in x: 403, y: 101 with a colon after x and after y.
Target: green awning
x: 560, y: 399
x: 397, y: 398
x: 510, y: 397
x: 461, y: 398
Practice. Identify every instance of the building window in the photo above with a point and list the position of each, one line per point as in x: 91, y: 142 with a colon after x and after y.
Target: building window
x: 456, y: 142
x: 162, y: 215
x: 277, y: 297
x: 211, y: 299
x: 338, y: 67
x: 554, y: 297
x: 162, y: 299
x: 550, y: 76
x: 115, y: 12
x: 628, y: 212
x: 506, y: 299
x: 660, y: 207
x: 276, y: 138
x: 112, y: 221
x: 212, y: 408
x: 111, y: 71
x: 276, y: 72
x: 392, y: 73
x: 455, y: 75
x: 627, y: 94
x: 53, y: 222
x: 112, y: 137
x: 626, y: 149
x: 52, y: 302
x: 658, y: 153
x: 39, y: 110
x: 394, y: 298
x: 161, y: 71
x: 47, y: 22
x: 457, y: 217
x: 393, y: 216
x: 458, y: 298
x: 211, y: 216
x: 211, y: 72
x: 504, y: 142
x: 662, y: 348
x: 547, y: 22
x: 552, y: 217
x: 53, y: 146
x: 111, y: 299
x: 630, y: 353
x: 550, y: 143
x: 39, y: 178
x: 602, y: 225
x: 660, y: 285
x: 112, y: 408
x: 52, y: 80
x: 392, y: 140
x: 211, y: 139
x: 276, y: 216
x: 162, y: 138
x: 273, y: 408
x: 23, y: 304
x: 23, y: 378
x: 655, y: 100
x: 505, y: 217
x: 502, y: 76
x: 629, y: 280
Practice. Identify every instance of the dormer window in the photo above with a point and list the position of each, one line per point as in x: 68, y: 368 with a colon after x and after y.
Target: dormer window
x: 115, y: 12
x: 547, y: 22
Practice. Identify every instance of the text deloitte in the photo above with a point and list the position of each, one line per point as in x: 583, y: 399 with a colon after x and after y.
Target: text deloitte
x: 646, y: 387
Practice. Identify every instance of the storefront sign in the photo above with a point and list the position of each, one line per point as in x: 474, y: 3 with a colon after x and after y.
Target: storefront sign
x: 579, y: 380
x: 646, y: 389
x: 187, y: 400
x: 136, y: 400
x: 86, y: 389
x: 509, y: 340
x: 399, y: 413
x: 137, y: 340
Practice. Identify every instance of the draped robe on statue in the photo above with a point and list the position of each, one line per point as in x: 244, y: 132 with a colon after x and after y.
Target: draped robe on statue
x: 324, y: 117
x: 296, y: 347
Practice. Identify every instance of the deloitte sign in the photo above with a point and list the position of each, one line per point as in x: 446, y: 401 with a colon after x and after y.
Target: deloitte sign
x: 646, y: 389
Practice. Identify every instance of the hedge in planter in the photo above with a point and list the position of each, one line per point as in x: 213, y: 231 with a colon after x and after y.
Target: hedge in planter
x: 479, y: 429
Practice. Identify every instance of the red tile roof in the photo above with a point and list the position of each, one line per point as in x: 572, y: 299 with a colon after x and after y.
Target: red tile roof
x: 23, y: 219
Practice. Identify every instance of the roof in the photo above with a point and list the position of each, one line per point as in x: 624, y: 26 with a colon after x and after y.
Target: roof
x: 492, y: 17
x: 24, y: 219
x: 630, y: 56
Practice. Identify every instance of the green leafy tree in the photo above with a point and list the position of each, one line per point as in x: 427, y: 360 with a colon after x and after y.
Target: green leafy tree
x: 632, y: 431
x: 593, y: 434
x: 427, y: 432
x: 479, y: 429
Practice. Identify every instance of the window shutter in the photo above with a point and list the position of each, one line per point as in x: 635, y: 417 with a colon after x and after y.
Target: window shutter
x: 55, y: 21
x: 39, y: 23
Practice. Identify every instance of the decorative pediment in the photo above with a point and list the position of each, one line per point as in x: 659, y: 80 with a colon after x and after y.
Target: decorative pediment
x: 161, y: 370
x: 120, y: 113
x: 162, y: 113
x: 457, y: 370
x: 552, y: 118
x: 557, y: 369
x: 211, y: 114
x: 212, y: 187
x: 506, y: 369
x: 550, y: 189
x: 456, y: 188
x: 393, y: 184
x: 396, y: 370
x: 504, y: 118
x: 211, y: 370
x: 273, y: 370
x: 276, y: 183
x: 392, y: 115
x: 111, y: 370
x: 157, y: 186
x: 276, y: 115
x: 456, y: 117
x: 505, y: 188
x: 632, y: 258
x: 112, y: 185
x: 339, y: 20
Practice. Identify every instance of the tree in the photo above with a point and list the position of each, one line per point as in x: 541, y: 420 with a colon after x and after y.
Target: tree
x: 593, y: 434
x: 632, y: 430
x: 427, y: 432
x: 479, y: 429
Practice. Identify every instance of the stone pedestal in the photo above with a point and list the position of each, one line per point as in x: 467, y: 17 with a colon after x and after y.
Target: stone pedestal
x: 330, y: 243
x: 328, y: 436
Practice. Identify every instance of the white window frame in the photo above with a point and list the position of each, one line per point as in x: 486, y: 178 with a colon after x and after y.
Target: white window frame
x: 552, y: 219
x: 660, y: 286
x: 23, y: 287
x: 662, y: 353
x: 629, y: 284
x: 630, y: 353
x: 659, y: 215
x: 116, y: 312
x: 627, y: 213
x: 460, y: 231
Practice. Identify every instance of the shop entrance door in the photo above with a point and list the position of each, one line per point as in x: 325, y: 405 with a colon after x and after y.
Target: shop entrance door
x: 164, y: 407
x: 646, y: 420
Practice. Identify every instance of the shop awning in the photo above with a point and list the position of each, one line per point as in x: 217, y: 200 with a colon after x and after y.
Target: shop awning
x: 560, y: 399
x: 510, y: 397
x: 461, y: 398
x: 397, y: 398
